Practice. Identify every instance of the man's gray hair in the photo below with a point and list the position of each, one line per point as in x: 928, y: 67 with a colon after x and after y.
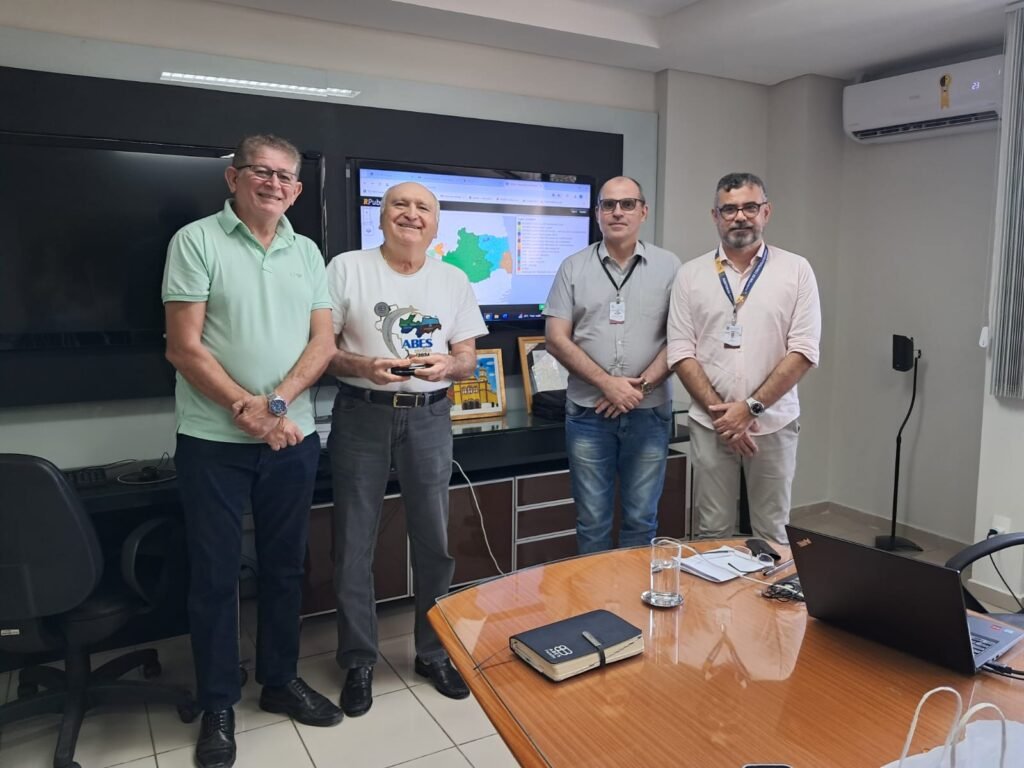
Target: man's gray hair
x: 732, y: 181
x: 250, y: 145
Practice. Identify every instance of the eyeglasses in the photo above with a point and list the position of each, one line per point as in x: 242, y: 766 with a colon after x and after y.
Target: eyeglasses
x: 750, y: 210
x: 263, y: 173
x: 627, y: 204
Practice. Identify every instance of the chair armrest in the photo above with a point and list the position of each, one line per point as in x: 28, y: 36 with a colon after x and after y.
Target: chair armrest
x: 151, y: 544
x: 989, y: 546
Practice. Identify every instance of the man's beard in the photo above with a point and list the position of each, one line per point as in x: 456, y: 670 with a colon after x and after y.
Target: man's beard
x: 740, y: 238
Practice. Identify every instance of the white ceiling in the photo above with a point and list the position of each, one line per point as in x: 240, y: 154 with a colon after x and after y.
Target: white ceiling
x: 760, y: 41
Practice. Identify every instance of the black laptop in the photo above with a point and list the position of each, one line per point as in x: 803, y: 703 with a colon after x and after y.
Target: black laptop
x: 907, y: 604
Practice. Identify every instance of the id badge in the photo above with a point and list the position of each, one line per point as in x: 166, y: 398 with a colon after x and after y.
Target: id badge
x: 617, y: 312
x: 733, y: 336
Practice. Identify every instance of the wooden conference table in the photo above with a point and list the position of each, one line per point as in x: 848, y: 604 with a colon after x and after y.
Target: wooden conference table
x: 727, y: 679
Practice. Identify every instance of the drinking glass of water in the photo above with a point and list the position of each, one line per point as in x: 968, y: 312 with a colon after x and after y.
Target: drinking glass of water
x: 664, y: 592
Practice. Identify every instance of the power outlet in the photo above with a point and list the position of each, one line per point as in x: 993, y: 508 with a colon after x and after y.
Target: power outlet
x: 1001, y: 524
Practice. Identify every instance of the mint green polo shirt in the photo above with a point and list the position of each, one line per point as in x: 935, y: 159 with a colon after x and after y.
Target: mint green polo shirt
x: 258, y: 305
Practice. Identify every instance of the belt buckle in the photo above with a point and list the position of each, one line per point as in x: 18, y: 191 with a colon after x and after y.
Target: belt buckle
x: 402, y: 399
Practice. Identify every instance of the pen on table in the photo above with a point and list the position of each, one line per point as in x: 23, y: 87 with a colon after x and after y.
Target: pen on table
x: 780, y: 567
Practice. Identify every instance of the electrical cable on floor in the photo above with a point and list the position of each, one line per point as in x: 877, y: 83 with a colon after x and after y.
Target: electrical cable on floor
x: 480, y: 514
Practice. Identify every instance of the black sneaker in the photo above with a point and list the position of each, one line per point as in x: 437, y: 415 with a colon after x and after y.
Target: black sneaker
x: 444, y: 676
x: 357, y: 693
x: 299, y: 702
x: 216, y: 745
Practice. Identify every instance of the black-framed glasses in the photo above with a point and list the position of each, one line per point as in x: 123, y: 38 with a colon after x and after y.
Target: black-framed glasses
x: 263, y: 173
x: 750, y: 210
x: 627, y: 204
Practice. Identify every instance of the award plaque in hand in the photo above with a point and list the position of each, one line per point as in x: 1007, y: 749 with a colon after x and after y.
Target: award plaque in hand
x: 407, y: 334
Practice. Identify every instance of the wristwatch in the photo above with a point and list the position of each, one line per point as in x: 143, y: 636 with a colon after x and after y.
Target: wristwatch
x: 756, y: 406
x: 646, y: 387
x: 276, y: 404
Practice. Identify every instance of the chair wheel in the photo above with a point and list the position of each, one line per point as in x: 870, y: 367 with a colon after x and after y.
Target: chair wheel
x: 243, y: 676
x: 25, y: 690
x: 188, y: 712
x: 149, y: 671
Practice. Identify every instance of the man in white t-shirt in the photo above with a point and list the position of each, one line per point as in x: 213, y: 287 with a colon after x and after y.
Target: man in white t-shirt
x: 406, y: 328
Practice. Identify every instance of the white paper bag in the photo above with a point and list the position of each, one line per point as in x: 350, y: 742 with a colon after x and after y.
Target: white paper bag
x: 978, y: 744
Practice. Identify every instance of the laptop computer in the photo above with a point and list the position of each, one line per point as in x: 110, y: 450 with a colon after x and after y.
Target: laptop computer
x: 907, y: 604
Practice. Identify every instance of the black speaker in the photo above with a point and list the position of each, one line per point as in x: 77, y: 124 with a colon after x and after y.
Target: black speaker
x: 902, y: 352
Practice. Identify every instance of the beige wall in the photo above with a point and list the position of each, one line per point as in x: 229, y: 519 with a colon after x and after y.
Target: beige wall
x: 805, y: 167
x: 915, y: 233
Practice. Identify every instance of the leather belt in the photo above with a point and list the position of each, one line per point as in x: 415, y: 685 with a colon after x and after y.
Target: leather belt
x: 394, y: 399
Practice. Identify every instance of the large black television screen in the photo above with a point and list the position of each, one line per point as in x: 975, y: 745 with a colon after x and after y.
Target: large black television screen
x: 507, y: 230
x: 85, y: 227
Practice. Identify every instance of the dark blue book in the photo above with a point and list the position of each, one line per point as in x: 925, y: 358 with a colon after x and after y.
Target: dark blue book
x: 574, y: 645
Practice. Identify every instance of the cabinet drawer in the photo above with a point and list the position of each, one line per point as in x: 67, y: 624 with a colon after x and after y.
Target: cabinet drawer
x: 537, y: 522
x: 537, y: 489
x: 545, y: 550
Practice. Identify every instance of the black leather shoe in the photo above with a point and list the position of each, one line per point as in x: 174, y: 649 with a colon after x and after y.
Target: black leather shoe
x: 357, y: 693
x: 300, y: 702
x: 444, y: 676
x: 216, y: 745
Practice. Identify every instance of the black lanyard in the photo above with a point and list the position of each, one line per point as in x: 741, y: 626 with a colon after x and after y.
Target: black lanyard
x: 618, y: 286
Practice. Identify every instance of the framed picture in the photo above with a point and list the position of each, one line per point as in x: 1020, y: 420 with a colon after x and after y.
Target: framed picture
x: 541, y: 372
x: 483, y: 394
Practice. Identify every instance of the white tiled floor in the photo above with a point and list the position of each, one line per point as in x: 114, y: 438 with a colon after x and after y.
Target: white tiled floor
x: 432, y: 731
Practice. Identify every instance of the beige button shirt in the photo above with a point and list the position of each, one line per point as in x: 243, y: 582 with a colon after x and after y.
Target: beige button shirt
x: 782, y: 314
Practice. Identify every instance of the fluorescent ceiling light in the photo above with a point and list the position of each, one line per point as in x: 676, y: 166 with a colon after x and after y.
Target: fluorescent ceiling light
x: 183, y: 78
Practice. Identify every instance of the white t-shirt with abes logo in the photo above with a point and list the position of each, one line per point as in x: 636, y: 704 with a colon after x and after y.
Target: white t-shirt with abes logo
x: 378, y: 311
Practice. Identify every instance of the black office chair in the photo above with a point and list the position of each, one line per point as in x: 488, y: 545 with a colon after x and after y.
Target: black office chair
x: 55, y: 595
x: 977, y: 551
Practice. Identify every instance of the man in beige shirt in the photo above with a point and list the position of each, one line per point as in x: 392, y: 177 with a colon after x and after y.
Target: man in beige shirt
x: 744, y: 325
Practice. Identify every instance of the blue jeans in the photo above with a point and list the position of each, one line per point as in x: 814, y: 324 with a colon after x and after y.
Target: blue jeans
x: 218, y: 483
x: 634, y: 447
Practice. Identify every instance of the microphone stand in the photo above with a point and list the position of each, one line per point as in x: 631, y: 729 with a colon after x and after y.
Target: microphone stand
x: 892, y: 541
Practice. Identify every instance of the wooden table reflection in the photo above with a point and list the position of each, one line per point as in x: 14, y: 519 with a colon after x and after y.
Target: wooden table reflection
x: 727, y: 679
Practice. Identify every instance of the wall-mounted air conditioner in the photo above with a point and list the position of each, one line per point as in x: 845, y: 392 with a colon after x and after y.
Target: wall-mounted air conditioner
x: 960, y: 97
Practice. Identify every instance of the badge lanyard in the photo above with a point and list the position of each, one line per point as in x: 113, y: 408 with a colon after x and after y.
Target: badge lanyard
x: 733, y: 330
x: 617, y: 308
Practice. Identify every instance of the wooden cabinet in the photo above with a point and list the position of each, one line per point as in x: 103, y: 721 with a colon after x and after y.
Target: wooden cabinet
x: 390, y: 564
x: 528, y: 520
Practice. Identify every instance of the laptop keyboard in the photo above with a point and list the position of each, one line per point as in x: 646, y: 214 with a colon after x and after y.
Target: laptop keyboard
x: 981, y: 644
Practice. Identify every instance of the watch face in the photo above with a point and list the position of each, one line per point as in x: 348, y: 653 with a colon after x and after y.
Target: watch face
x: 277, y: 406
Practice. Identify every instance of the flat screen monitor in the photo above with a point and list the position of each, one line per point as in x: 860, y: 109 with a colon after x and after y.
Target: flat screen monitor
x: 85, y: 227
x: 507, y: 230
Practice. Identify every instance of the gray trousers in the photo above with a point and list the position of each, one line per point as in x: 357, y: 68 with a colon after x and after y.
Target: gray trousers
x: 769, y: 476
x: 366, y: 441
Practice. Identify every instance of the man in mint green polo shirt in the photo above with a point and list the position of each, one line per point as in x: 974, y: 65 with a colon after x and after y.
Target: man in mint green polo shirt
x: 248, y: 330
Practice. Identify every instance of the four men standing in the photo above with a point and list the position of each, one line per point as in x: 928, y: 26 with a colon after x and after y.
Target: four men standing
x: 253, y: 320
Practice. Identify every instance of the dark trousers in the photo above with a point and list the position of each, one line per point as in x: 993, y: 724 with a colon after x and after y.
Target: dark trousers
x: 366, y: 440
x: 218, y: 483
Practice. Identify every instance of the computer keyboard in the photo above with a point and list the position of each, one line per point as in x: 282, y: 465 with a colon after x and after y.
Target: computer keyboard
x: 981, y: 644
x: 87, y: 477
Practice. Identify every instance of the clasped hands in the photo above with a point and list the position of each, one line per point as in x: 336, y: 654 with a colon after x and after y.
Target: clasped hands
x: 252, y: 417
x: 621, y: 395
x: 734, y: 425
